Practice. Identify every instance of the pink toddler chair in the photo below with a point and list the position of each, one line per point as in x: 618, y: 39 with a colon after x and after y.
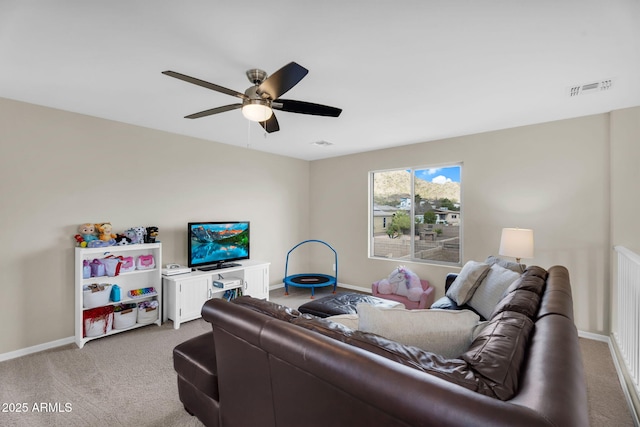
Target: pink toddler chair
x: 426, y: 299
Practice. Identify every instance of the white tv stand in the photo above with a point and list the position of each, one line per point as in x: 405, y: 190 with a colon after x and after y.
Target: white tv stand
x: 185, y: 294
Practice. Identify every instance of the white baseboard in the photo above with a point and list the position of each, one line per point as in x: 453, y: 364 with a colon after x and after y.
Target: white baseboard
x: 340, y: 285
x: 36, y: 348
x: 592, y: 336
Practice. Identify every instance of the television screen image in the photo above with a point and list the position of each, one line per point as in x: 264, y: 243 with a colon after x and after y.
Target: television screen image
x: 214, y: 245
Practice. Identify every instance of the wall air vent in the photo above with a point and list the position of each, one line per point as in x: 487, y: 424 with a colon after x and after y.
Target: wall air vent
x: 593, y: 87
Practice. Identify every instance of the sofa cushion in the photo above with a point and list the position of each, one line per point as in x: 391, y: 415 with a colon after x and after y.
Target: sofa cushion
x: 536, y: 271
x: 521, y: 301
x: 195, y: 361
x: 445, y: 303
x: 498, y: 353
x: 343, y: 303
x: 444, y: 332
x: 349, y: 320
x: 527, y: 283
x: 469, y: 278
x: 453, y: 370
x: 491, y: 290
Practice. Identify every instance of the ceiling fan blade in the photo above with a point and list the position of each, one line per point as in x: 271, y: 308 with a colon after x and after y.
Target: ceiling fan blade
x: 302, y: 107
x: 213, y: 111
x: 278, y: 83
x: 202, y: 83
x: 271, y: 125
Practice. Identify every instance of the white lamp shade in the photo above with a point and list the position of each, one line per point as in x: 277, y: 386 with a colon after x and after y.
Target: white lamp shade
x: 257, y: 112
x: 516, y: 243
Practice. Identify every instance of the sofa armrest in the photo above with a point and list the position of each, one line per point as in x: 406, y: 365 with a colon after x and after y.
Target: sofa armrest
x: 428, y: 296
x: 449, y: 280
x: 374, y: 289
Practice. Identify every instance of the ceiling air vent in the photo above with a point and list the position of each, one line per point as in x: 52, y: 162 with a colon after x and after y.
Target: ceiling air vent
x: 322, y: 143
x: 592, y: 87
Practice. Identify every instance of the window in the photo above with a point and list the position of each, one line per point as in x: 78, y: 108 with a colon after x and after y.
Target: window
x: 416, y: 214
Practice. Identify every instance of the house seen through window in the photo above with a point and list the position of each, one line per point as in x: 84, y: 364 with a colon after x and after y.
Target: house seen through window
x: 416, y: 214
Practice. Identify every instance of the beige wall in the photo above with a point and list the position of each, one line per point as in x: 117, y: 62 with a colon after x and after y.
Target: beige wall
x: 60, y: 169
x: 552, y: 177
x: 625, y: 196
x: 625, y: 177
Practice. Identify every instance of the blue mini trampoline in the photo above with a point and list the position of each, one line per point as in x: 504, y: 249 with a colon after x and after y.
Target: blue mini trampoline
x: 310, y: 280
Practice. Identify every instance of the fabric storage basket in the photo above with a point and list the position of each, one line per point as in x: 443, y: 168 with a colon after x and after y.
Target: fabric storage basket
x: 147, y: 312
x: 97, y: 321
x: 95, y: 298
x: 124, y: 316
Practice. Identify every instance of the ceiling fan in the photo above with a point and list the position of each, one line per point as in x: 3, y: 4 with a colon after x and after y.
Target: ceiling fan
x: 259, y: 100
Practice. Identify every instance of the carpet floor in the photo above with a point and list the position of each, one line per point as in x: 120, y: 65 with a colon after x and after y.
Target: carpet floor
x: 128, y: 380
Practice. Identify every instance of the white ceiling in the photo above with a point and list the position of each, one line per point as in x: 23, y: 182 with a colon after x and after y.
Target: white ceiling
x: 402, y: 71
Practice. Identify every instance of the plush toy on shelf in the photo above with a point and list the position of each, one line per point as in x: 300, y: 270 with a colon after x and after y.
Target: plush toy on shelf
x: 104, y: 231
x: 135, y: 234
x: 151, y: 234
x: 140, y: 233
x: 87, y: 233
x: 122, y: 239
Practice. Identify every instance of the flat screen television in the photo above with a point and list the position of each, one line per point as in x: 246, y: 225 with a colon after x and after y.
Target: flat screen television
x: 214, y: 245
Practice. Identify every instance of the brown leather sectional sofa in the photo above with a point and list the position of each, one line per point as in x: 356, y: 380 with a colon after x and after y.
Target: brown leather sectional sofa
x: 268, y: 365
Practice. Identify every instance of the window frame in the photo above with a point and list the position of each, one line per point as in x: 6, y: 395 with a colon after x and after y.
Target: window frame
x: 412, y: 258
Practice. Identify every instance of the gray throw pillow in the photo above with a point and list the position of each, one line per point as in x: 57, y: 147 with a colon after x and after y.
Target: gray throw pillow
x: 509, y: 265
x: 469, y: 278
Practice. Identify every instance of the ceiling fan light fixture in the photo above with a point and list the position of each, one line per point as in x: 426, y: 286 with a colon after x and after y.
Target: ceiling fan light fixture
x: 257, y: 110
x: 259, y: 100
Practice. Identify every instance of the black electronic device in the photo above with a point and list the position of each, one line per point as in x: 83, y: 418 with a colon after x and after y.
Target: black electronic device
x: 216, y: 244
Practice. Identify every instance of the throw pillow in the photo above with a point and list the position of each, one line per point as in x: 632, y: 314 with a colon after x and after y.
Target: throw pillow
x: 444, y: 332
x: 348, y: 320
x: 490, y: 291
x: 469, y: 278
x: 509, y: 265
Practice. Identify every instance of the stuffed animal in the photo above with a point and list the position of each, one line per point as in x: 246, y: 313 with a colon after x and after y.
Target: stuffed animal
x: 136, y: 234
x: 80, y: 241
x: 131, y: 235
x: 104, y: 231
x: 389, y: 285
x: 87, y: 233
x: 122, y: 239
x: 140, y: 232
x: 402, y: 281
x: 151, y: 234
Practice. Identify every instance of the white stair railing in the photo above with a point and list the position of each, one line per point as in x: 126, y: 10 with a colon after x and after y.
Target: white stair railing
x: 627, y: 334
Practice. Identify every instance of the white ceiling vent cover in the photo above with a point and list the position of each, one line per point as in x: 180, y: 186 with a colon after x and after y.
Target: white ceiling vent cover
x: 322, y: 143
x: 592, y: 87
